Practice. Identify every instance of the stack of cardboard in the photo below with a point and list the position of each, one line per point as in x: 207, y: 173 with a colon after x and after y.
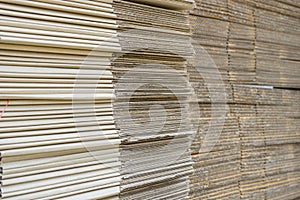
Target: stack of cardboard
x: 149, y: 99
x: 216, y: 174
x: 152, y: 104
x: 269, y: 142
x: 51, y: 145
x: 278, y: 44
x: 241, y: 42
x: 211, y: 178
x: 253, y: 56
x: 281, y: 128
x: 170, y: 4
x: 252, y: 143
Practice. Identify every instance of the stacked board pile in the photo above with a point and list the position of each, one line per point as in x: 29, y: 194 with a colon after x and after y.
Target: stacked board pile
x: 269, y: 132
x: 150, y: 99
x: 217, y: 173
x: 254, y: 45
x: 152, y: 104
x: 277, y: 43
x: 48, y: 126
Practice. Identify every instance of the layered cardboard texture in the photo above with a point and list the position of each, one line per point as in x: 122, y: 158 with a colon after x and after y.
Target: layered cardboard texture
x: 253, y: 44
x: 151, y: 108
x: 149, y: 99
x: 58, y: 141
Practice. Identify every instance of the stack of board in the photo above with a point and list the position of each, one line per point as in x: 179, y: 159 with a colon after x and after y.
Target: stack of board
x: 217, y: 173
x: 269, y: 142
x: 254, y: 46
x: 149, y: 99
x: 152, y: 105
x: 278, y: 43
x: 212, y: 178
x: 51, y: 146
x: 241, y: 42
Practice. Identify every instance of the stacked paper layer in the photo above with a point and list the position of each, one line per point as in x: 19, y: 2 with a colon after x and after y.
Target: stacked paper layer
x: 149, y: 99
x: 241, y: 42
x: 278, y: 32
x: 269, y: 141
x: 211, y: 178
x: 51, y: 144
x: 253, y: 45
x: 152, y: 105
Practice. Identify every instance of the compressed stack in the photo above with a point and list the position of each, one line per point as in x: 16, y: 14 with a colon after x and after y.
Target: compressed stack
x: 149, y: 99
x: 278, y: 32
x: 210, y: 31
x: 241, y: 42
x: 216, y: 174
x: 169, y: 4
x: 51, y: 143
x: 269, y: 141
x: 212, y: 178
x: 254, y: 58
x: 252, y: 143
x: 270, y: 159
x: 282, y: 137
x: 152, y: 104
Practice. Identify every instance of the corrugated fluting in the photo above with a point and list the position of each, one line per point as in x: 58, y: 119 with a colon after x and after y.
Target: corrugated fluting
x: 55, y: 144
x: 150, y: 99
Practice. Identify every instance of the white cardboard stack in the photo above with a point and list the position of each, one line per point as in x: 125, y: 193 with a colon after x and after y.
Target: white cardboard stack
x: 51, y: 145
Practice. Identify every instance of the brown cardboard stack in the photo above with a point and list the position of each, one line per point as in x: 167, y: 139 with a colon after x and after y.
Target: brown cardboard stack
x: 211, y: 178
x: 252, y: 142
x: 209, y: 35
x: 51, y: 145
x: 278, y: 32
x: 217, y: 173
x: 253, y: 56
x: 152, y: 104
x: 241, y: 42
x: 269, y: 141
x: 281, y: 128
x: 170, y: 4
